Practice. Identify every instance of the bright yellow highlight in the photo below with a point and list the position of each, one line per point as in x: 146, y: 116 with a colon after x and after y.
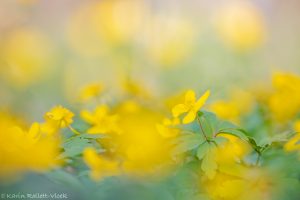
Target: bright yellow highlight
x: 284, y: 103
x: 58, y: 117
x: 141, y: 148
x: 252, y: 184
x: 22, y: 150
x: 190, y: 106
x: 91, y: 91
x: 118, y: 21
x: 238, y: 104
x: 166, y: 128
x: 240, y: 25
x: 101, y: 120
x: 100, y: 167
x: 294, y: 143
x: 26, y: 55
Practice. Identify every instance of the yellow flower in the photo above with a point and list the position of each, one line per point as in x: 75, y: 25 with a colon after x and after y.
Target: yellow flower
x: 169, y: 39
x: 135, y: 88
x: 22, y: 150
x: 166, y: 128
x: 284, y: 103
x: 101, y: 120
x: 141, y: 148
x: 100, y: 167
x: 293, y: 144
x: 26, y: 55
x: 241, y: 25
x: 238, y: 104
x: 91, y: 91
x: 230, y: 187
x: 233, y: 150
x: 58, y: 117
x: 190, y: 106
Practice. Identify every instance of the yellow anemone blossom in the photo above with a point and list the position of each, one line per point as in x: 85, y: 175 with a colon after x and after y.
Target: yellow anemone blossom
x: 100, y: 166
x: 169, y: 39
x: 231, y: 187
x: 101, y: 120
x: 22, y: 150
x: 90, y: 91
x: 239, y: 103
x: 141, y: 148
x: 58, y: 117
x: 26, y: 56
x: 240, y: 25
x: 166, y: 128
x: 233, y: 150
x: 284, y: 103
x: 190, y: 106
x: 293, y: 144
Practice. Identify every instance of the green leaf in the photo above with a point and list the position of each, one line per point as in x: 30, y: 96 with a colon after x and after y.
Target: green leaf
x: 202, y: 150
x: 75, y: 146
x: 65, y: 178
x: 220, y: 140
x: 187, y: 142
x: 209, y: 122
x: 209, y: 165
x: 235, y: 132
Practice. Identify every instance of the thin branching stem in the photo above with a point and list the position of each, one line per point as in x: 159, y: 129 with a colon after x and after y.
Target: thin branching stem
x: 201, y: 127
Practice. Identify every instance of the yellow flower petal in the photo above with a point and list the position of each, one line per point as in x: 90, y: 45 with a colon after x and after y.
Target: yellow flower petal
x: 190, y: 97
x: 87, y: 116
x: 201, y: 101
x: 34, y: 130
x: 179, y: 109
x: 101, y: 111
x: 98, y: 129
x: 190, y: 117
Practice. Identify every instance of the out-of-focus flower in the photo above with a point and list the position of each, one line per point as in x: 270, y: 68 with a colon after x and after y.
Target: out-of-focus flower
x: 26, y: 54
x: 284, y: 103
x: 238, y: 104
x: 231, y: 187
x: 233, y: 150
x: 190, y: 106
x: 96, y: 26
x: 82, y: 35
x: 22, y: 150
x: 167, y: 129
x: 141, y: 148
x: 91, y: 91
x: 101, y: 120
x: 135, y: 89
x: 169, y: 39
x: 58, y: 117
x: 119, y: 21
x: 100, y: 167
x: 293, y: 144
x: 240, y: 25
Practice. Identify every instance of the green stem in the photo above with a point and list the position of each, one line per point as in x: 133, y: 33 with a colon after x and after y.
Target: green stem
x: 258, y: 159
x: 73, y: 130
x: 201, y: 127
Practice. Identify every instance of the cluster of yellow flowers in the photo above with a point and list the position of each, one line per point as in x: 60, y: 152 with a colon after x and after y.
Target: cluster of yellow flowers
x: 36, y: 149
x: 137, y: 140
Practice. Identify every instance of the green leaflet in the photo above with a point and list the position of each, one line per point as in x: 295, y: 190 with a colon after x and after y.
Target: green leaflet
x: 202, y: 150
x: 207, y: 154
x: 65, y: 178
x: 187, y: 142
